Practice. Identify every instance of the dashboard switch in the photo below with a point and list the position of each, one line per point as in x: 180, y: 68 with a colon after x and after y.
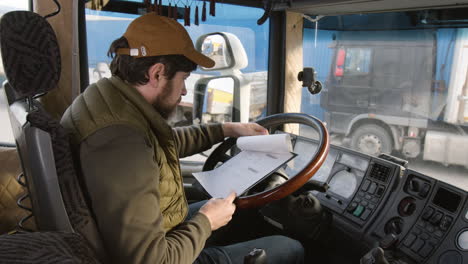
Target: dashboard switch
x: 427, y: 213
x: 358, y: 211
x: 425, y: 190
x: 372, y: 188
x: 380, y: 191
x: 409, y: 240
x: 365, y: 186
x: 414, y: 185
x: 435, y: 219
x: 366, y: 214
x: 352, y: 207
x: 426, y: 250
x: 445, y: 223
x: 418, y: 244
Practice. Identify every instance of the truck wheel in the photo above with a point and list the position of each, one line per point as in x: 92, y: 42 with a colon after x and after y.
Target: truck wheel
x: 372, y: 140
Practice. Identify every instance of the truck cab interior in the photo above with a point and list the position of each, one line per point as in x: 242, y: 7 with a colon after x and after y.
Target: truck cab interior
x: 373, y: 94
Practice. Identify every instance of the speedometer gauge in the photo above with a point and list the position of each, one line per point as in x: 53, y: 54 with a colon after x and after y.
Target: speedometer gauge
x: 343, y: 183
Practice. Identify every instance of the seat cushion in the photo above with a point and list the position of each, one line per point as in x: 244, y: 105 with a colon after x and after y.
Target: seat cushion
x: 10, y: 191
x: 45, y: 247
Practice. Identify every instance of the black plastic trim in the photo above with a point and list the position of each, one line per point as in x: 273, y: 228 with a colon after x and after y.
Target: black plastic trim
x: 83, y: 48
x: 276, y: 64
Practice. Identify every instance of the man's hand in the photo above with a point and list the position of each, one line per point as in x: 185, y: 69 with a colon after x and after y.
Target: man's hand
x: 243, y: 129
x: 219, y: 211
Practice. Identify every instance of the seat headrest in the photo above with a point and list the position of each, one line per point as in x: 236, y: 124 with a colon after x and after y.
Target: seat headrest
x: 30, y: 53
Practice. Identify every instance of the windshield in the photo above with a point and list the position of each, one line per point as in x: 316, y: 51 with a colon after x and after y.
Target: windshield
x: 394, y: 83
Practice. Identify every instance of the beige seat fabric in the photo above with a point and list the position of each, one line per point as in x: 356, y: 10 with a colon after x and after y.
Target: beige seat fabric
x: 10, y: 191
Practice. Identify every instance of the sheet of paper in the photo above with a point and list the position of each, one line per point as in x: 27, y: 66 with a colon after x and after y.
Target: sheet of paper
x: 277, y: 143
x: 241, y: 172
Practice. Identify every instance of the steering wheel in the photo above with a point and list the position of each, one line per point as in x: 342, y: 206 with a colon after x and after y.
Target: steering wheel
x: 294, y: 183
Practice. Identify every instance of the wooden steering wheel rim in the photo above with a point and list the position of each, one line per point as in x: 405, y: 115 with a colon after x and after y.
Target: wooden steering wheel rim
x: 292, y: 184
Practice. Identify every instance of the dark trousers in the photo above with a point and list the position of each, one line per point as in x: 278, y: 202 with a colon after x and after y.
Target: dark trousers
x: 279, y: 249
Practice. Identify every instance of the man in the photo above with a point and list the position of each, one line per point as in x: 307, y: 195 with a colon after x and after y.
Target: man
x: 129, y: 155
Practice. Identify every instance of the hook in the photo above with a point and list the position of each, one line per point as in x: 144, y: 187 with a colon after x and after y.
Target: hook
x: 56, y: 12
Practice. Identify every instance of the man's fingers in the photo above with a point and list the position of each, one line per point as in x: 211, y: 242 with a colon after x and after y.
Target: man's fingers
x: 259, y: 129
x: 231, y: 197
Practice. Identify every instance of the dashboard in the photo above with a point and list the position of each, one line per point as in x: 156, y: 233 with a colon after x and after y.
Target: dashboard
x: 373, y: 200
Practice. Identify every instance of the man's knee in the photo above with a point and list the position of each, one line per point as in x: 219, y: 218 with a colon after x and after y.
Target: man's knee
x: 290, y: 248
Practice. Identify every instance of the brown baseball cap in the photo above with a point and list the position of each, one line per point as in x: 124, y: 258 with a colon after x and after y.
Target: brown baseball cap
x: 153, y: 35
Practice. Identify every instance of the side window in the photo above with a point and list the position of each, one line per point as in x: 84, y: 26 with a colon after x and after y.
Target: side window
x: 234, y: 91
x: 357, y: 61
x: 102, y: 28
x: 6, y: 135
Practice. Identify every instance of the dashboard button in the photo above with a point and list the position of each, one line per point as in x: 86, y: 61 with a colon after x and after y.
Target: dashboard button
x: 409, y: 240
x: 427, y: 213
x: 414, y: 185
x: 421, y: 224
x: 371, y: 206
x: 366, y: 214
x: 368, y: 197
x: 438, y: 233
x: 417, y: 231
x: 417, y: 245
x: 372, y: 188
x: 375, y: 200
x: 445, y: 223
x: 430, y: 228
x: 426, y: 250
x: 352, y: 207
x: 358, y: 211
x: 365, y: 203
x: 435, y: 219
x: 380, y: 191
x: 365, y: 186
x: 425, y: 190
x: 425, y: 236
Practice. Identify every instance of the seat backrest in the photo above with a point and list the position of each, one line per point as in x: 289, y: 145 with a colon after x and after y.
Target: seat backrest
x: 31, y: 58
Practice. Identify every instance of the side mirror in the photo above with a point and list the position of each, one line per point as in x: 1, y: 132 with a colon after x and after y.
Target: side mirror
x: 214, y: 100
x: 225, y: 49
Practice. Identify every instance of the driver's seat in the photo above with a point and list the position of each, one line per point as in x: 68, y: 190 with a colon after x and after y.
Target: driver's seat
x: 31, y: 58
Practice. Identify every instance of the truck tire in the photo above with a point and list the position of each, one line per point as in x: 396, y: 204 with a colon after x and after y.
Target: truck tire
x: 371, y: 139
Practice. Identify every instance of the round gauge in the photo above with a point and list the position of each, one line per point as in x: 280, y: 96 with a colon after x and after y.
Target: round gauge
x: 407, y: 206
x: 463, y: 240
x: 394, y: 226
x: 343, y: 183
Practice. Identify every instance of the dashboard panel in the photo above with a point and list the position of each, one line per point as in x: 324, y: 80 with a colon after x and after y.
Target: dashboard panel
x: 373, y: 200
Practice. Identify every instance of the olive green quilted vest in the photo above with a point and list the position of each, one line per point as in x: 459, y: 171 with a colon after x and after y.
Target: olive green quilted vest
x: 113, y: 102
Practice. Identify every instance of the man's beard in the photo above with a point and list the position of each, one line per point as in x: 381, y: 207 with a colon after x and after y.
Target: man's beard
x: 164, y: 108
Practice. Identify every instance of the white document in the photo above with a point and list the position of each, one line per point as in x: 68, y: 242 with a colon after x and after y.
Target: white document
x: 260, y: 156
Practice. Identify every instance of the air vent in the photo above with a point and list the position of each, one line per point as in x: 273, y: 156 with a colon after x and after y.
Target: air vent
x: 380, y: 172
